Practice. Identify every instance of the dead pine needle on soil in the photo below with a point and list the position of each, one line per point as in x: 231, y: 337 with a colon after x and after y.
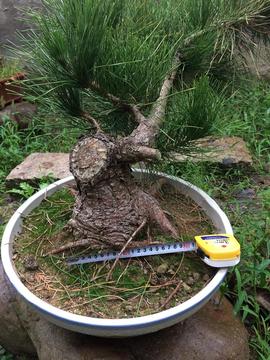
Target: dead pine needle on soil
x: 120, y: 289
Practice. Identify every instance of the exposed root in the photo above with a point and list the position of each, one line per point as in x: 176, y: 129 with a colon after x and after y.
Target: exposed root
x: 157, y: 215
x: 71, y: 245
x: 172, y: 294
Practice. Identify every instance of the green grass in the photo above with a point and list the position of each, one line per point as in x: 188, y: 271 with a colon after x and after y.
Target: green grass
x: 247, y: 114
x: 9, y: 68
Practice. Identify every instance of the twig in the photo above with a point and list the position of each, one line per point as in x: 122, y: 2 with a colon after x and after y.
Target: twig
x: 91, y: 120
x: 148, y: 129
x: 173, y: 293
x: 124, y: 248
x: 133, y: 109
x: 123, y: 272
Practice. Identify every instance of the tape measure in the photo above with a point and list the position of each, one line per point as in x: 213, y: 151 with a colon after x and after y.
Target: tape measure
x: 216, y: 250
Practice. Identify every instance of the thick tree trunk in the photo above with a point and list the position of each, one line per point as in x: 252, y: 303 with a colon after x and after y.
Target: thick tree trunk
x: 110, y: 206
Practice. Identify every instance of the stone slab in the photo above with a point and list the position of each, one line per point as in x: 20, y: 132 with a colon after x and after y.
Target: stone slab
x: 227, y: 150
x: 11, y: 20
x: 39, y: 165
x: 21, y: 113
x: 213, y: 333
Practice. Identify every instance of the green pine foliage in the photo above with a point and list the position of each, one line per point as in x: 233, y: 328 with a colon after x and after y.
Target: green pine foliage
x: 190, y: 116
x: 127, y: 47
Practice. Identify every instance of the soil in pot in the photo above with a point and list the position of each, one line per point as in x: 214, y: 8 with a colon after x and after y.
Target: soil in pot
x: 135, y: 287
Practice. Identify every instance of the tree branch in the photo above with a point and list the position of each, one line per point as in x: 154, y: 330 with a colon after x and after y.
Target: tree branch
x: 133, y: 109
x: 91, y: 120
x: 133, y: 153
x: 147, y: 130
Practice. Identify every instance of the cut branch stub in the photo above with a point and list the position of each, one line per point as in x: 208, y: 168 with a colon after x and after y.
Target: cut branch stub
x: 90, y: 158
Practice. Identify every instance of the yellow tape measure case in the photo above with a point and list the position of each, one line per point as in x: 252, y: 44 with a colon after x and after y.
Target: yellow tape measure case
x: 219, y: 247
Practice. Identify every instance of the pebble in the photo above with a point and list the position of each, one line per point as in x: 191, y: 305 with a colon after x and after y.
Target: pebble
x: 190, y: 281
x: 154, y: 280
x: 196, y: 276
x: 186, y: 287
x: 30, y: 263
x: 246, y: 194
x: 162, y: 269
x: 206, y: 277
x: 129, y: 308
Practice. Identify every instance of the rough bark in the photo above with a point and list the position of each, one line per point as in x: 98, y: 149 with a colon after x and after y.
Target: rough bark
x: 110, y: 205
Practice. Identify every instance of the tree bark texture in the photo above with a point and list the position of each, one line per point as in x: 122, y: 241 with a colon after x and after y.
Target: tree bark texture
x: 110, y: 206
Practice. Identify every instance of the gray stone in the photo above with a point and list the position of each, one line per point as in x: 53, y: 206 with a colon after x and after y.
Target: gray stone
x: 213, y: 333
x: 21, y: 113
x: 246, y: 194
x: 11, y: 20
x: 38, y: 165
x: 263, y: 298
x: 162, y: 269
x: 226, y: 151
x: 11, y: 327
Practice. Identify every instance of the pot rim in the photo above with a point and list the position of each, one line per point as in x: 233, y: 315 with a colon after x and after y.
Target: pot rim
x: 14, y: 226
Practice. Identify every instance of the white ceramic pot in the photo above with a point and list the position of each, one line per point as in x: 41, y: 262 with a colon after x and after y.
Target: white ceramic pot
x: 114, y: 327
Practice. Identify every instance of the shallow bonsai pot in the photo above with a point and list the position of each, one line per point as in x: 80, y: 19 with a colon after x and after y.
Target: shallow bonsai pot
x: 114, y: 327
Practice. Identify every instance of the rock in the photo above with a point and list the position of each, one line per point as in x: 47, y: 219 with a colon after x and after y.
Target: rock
x: 225, y: 150
x: 162, y: 269
x: 11, y: 20
x: 30, y: 263
x: 12, y: 334
x: 186, y: 287
x: 263, y: 298
x: 21, y: 113
x: 246, y: 194
x: 206, y: 277
x: 190, y: 281
x: 212, y: 333
x: 38, y: 165
x: 196, y: 276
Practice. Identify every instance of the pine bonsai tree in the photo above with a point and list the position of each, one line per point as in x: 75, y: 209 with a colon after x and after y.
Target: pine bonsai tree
x: 120, y: 68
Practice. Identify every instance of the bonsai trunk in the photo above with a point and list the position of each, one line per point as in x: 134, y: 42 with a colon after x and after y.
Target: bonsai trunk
x: 110, y: 208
